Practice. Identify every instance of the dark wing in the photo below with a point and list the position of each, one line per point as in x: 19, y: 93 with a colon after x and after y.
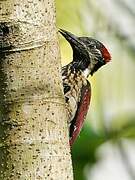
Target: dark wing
x: 81, y: 113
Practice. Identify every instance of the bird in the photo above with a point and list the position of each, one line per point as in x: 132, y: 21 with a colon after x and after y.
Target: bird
x: 89, y: 55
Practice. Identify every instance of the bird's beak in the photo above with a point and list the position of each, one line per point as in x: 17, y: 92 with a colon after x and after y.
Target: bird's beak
x: 72, y: 39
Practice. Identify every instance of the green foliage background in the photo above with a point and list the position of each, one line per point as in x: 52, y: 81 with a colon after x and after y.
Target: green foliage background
x: 111, y: 116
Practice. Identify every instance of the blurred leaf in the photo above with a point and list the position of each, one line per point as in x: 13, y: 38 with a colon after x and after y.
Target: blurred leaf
x: 127, y: 132
x: 84, y: 151
x: 123, y: 127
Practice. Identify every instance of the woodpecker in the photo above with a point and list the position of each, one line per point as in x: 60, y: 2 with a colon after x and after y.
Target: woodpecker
x: 88, y: 56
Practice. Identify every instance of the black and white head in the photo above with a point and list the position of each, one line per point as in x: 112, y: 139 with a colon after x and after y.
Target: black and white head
x: 88, y: 54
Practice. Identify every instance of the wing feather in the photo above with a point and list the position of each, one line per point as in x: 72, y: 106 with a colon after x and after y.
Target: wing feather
x: 81, y: 113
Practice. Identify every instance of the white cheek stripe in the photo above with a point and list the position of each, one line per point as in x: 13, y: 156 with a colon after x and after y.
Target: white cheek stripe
x: 86, y: 72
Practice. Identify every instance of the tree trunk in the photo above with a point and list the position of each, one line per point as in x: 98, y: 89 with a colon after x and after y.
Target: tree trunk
x: 33, y: 130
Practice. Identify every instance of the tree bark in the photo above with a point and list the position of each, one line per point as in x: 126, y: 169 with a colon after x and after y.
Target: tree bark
x: 33, y: 130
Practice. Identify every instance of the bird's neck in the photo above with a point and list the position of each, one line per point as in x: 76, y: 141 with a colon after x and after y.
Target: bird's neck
x: 82, y: 66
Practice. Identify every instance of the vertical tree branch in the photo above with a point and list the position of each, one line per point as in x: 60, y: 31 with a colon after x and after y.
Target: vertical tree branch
x: 33, y: 131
